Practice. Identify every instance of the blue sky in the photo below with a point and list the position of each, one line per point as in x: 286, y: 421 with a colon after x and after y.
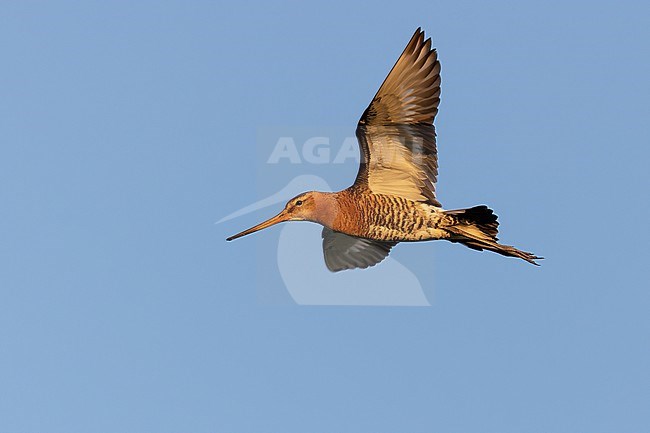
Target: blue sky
x: 128, y: 128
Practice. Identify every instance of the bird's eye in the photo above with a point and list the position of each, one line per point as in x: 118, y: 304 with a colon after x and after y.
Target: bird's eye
x: 299, y: 203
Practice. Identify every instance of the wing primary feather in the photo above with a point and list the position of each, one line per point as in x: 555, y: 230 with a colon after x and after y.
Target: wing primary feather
x: 396, y: 133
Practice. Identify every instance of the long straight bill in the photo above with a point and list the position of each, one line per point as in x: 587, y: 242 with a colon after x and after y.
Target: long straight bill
x: 281, y: 217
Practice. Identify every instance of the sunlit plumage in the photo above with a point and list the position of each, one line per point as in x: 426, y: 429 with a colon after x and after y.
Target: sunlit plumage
x: 393, y: 197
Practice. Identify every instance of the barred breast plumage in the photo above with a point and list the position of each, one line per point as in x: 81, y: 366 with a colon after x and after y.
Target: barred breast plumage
x: 389, y: 218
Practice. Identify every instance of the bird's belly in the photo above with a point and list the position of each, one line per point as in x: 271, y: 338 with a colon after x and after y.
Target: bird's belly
x: 417, y: 222
x: 399, y: 235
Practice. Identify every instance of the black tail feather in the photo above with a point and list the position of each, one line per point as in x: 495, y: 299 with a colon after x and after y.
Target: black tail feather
x: 477, y: 228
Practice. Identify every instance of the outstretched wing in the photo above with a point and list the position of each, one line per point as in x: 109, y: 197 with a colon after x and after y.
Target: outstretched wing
x: 396, y: 132
x: 348, y: 252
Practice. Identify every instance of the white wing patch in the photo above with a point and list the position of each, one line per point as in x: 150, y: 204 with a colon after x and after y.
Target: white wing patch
x: 398, y: 165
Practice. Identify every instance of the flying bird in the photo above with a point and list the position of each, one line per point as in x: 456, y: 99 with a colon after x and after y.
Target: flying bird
x: 393, y: 198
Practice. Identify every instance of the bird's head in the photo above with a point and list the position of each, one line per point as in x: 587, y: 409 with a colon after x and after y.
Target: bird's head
x: 309, y: 206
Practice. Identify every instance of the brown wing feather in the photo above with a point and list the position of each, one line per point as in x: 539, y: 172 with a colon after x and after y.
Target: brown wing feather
x: 396, y: 132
